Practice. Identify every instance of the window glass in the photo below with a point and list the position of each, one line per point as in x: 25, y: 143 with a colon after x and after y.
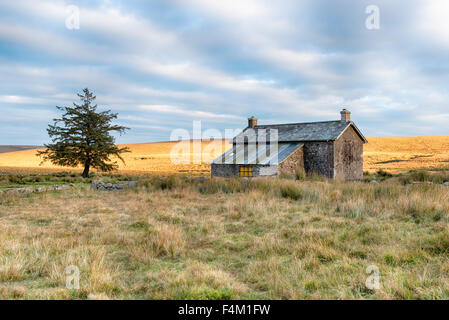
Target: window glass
x: 246, y: 171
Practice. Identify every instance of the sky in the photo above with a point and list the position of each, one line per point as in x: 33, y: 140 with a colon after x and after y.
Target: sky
x: 161, y: 65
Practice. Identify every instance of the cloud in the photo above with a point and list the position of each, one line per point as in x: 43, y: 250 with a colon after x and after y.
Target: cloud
x: 161, y: 65
x: 20, y: 100
x: 434, y: 22
x: 188, y: 113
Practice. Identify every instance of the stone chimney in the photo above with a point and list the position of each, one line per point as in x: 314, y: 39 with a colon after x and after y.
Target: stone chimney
x: 345, y: 115
x: 252, y: 122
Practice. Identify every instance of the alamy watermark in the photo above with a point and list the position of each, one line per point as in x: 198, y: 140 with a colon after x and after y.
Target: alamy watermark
x: 373, y: 280
x: 253, y: 146
x: 372, y: 22
x: 72, y: 280
x: 72, y: 21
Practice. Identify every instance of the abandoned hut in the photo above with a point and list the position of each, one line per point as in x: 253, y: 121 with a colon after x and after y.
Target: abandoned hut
x: 330, y: 148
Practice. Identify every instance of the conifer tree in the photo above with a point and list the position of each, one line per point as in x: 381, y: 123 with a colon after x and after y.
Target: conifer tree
x: 81, y: 137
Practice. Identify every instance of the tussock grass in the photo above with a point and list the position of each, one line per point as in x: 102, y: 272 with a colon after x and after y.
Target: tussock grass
x: 176, y: 237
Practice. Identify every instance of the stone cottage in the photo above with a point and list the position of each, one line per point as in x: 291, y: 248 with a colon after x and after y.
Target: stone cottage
x: 330, y: 148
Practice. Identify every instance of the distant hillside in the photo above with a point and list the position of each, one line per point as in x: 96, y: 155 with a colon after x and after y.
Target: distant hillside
x: 144, y: 157
x: 397, y: 154
x: 4, y: 149
x: 394, y: 154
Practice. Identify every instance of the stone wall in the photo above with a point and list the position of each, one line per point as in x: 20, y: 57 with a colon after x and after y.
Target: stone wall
x: 293, y: 162
x: 37, y: 189
x: 319, y: 158
x: 265, y: 170
x: 232, y: 170
x: 348, y: 156
x: 224, y: 170
x: 100, y: 185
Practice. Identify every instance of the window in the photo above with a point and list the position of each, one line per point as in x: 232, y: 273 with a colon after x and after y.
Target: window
x: 246, y: 171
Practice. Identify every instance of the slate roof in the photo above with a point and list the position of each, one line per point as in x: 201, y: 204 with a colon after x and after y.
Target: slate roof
x: 300, y: 132
x: 263, y: 154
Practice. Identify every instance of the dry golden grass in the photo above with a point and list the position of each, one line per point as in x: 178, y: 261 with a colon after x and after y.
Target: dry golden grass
x: 394, y: 154
x: 177, y: 238
x: 144, y: 157
x: 397, y: 154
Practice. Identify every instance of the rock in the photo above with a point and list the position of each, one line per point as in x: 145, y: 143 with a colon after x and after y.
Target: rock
x: 374, y: 182
x: 20, y: 190
x: 63, y: 187
x: 100, y: 185
x: 446, y: 184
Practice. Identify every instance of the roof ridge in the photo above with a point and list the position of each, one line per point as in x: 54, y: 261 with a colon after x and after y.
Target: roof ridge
x: 296, y: 123
x: 300, y: 132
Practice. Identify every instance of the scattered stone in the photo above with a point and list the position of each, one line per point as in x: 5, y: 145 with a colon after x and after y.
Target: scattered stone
x: 100, y: 185
x: 20, y: 190
x: 63, y: 187
x: 39, y: 189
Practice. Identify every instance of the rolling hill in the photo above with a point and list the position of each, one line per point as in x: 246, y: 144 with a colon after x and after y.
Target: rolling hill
x: 393, y: 154
x: 4, y: 149
x: 144, y: 157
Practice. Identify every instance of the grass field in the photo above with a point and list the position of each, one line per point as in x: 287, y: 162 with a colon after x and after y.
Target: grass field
x: 396, y: 154
x: 175, y: 236
x: 181, y: 238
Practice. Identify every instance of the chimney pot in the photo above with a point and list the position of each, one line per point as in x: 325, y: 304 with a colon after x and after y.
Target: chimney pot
x: 252, y: 122
x: 345, y: 115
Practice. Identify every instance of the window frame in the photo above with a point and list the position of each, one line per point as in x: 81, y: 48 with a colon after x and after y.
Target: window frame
x: 246, y: 171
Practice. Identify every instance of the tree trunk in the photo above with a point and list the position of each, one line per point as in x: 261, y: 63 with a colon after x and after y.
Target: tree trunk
x: 86, y: 169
